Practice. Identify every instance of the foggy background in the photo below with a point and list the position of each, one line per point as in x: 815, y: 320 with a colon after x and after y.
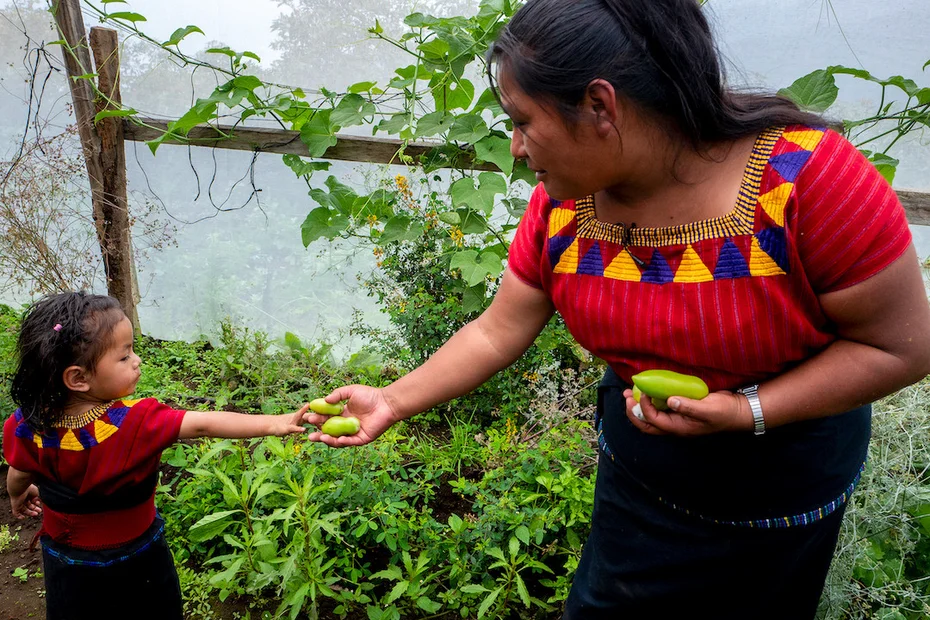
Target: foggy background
x: 215, y: 246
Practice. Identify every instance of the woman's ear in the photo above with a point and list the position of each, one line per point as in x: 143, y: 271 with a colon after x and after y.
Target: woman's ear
x: 601, y: 100
x: 75, y: 379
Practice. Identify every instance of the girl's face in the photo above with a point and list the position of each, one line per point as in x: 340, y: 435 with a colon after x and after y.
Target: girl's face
x: 117, y: 371
x: 569, y: 161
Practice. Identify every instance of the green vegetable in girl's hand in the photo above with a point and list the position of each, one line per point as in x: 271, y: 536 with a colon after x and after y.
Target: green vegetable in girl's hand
x: 339, y: 426
x: 319, y: 405
x: 660, y: 385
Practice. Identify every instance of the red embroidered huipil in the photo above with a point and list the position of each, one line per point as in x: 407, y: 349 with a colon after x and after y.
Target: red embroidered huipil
x: 106, y: 454
x: 732, y: 299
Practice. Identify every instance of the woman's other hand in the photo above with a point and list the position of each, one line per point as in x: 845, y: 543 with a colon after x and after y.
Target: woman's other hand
x: 716, y: 413
x: 368, y: 404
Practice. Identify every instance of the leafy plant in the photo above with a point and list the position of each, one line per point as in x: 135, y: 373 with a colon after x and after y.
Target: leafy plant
x: 892, y: 120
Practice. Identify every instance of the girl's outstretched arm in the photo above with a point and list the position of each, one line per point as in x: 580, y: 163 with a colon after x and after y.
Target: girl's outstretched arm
x: 229, y: 425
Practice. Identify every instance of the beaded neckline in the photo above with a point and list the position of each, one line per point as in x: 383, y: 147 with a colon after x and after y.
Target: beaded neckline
x: 82, y: 420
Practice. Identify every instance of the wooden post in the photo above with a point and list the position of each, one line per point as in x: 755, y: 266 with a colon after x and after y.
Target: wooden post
x: 104, y: 156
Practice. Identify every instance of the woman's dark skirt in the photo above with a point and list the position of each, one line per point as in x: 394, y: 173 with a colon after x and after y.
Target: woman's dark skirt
x: 644, y: 559
x: 650, y: 554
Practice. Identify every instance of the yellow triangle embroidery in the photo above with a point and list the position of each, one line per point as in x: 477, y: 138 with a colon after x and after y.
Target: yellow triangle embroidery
x: 569, y: 260
x: 692, y: 268
x: 102, y: 430
x: 559, y: 219
x: 760, y: 263
x: 774, y: 202
x: 623, y: 268
x: 37, y: 439
x: 807, y: 140
x: 131, y: 403
x: 70, y: 442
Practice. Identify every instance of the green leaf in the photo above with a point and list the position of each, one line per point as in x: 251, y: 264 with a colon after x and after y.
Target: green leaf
x: 211, y: 525
x: 304, y: 168
x: 361, y: 87
x: 322, y: 223
x: 481, y: 198
x: 396, y: 124
x: 523, y: 533
x: 474, y: 588
x: 885, y: 164
x: 923, y: 96
x: 521, y: 590
x: 476, y: 267
x: 111, y: 113
x: 351, y: 110
x: 513, y: 546
x: 516, y: 207
x: 428, y: 605
x: 522, y: 172
x: 126, y: 16
x: 816, y: 91
x: 247, y: 82
x: 222, y: 50
x: 251, y: 55
x: 496, y: 150
x: 433, y: 123
x: 471, y: 222
x: 398, y: 228
x: 450, y: 94
x: 376, y: 29
x: 178, y: 35
x: 451, y: 218
x: 487, y: 602
x: 469, y: 128
x: 317, y: 133
x: 474, y: 299
x: 434, y: 50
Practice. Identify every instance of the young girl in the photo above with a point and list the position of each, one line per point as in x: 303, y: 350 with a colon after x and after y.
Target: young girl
x: 86, y: 459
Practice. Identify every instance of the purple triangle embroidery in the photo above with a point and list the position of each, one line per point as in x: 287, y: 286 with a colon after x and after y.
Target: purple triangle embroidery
x: 731, y: 263
x: 592, y: 264
x: 116, y: 414
x: 658, y: 271
x: 772, y: 242
x: 87, y: 440
x: 557, y: 247
x: 789, y: 165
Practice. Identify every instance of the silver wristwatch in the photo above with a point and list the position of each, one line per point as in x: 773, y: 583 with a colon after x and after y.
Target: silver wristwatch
x: 751, y: 392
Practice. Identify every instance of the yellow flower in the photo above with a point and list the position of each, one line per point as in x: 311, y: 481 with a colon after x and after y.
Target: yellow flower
x: 372, y: 219
x: 457, y: 235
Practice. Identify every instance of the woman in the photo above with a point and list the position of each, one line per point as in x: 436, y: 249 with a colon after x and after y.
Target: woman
x: 679, y: 225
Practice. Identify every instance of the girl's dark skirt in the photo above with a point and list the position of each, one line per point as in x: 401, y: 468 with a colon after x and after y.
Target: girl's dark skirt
x: 136, y: 581
x: 649, y: 554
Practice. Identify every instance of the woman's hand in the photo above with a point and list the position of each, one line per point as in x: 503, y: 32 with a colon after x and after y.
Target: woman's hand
x: 366, y: 403
x: 27, y: 503
x: 716, y: 413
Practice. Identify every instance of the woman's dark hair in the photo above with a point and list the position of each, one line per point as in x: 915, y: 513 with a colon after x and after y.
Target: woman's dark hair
x: 659, y: 54
x: 58, y: 331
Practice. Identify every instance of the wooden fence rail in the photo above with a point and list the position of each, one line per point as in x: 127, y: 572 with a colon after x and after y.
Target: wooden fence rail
x: 371, y: 150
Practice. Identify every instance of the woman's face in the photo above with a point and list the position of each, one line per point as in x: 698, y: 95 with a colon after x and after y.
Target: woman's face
x: 569, y: 161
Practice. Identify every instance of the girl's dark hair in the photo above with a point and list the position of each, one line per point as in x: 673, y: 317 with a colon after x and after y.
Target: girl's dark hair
x: 660, y: 54
x: 61, y: 330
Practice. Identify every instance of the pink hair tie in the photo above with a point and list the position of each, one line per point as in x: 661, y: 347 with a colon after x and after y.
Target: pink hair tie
x: 57, y: 327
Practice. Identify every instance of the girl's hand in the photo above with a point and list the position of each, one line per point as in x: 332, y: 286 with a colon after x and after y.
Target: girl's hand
x: 367, y: 404
x: 27, y: 504
x: 716, y: 413
x: 289, y: 423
